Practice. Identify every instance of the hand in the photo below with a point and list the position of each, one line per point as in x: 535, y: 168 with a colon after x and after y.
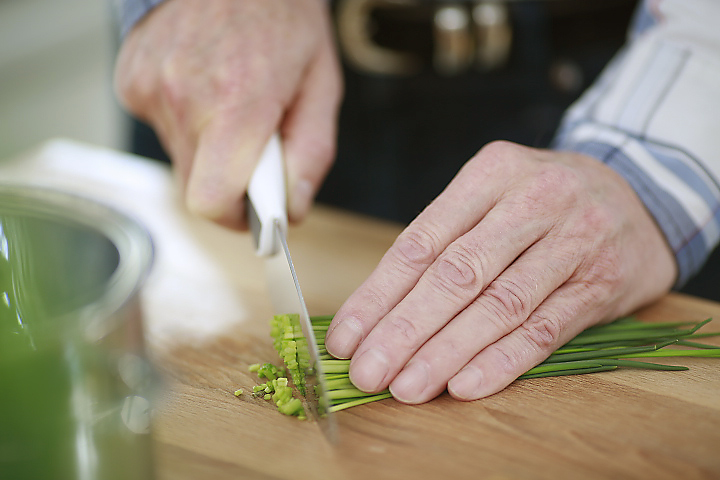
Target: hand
x: 523, y: 250
x: 216, y: 79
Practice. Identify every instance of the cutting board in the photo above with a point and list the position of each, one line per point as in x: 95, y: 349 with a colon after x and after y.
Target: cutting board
x: 206, y: 320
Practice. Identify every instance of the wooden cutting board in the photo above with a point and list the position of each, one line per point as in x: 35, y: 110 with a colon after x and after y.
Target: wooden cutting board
x: 206, y: 321
x: 623, y: 424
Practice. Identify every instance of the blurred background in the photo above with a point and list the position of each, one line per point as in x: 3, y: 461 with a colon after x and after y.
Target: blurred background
x: 427, y: 84
x: 55, y: 68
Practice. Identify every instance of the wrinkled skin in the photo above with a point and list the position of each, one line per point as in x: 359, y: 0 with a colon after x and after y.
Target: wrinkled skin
x: 215, y: 79
x: 522, y: 251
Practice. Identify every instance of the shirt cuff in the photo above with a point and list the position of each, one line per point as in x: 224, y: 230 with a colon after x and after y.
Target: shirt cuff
x: 132, y: 11
x: 675, y: 193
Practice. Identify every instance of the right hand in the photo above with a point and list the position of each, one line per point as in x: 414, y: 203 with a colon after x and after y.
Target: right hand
x: 216, y: 79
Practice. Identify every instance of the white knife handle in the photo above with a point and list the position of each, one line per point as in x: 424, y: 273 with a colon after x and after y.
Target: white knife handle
x: 268, y: 198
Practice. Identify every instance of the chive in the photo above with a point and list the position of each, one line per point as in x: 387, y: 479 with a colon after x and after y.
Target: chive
x: 577, y: 371
x: 636, y: 364
x: 359, y: 401
x: 321, y: 319
x: 635, y: 324
x: 335, y: 366
x: 338, y: 383
x: 688, y: 343
x: 650, y: 334
x: 594, y: 354
x: 707, y: 353
x: 348, y: 393
x: 600, y: 348
x: 704, y: 335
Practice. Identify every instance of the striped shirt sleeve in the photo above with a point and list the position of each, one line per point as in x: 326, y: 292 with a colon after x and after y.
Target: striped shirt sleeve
x: 654, y: 117
x: 129, y: 12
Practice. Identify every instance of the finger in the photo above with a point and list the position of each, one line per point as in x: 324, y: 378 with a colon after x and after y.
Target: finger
x: 179, y: 144
x: 451, y: 283
x: 447, y: 287
x: 229, y: 146
x: 503, y: 306
x: 309, y: 133
x: 562, y: 316
x: 460, y: 207
x: 398, y: 271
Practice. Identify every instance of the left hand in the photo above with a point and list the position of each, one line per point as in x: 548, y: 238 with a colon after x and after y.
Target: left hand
x: 523, y: 250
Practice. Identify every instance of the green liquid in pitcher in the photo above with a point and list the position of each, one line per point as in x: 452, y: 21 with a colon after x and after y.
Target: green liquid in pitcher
x: 72, y: 405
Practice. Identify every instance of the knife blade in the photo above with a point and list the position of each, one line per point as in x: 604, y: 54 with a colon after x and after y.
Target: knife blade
x: 267, y: 216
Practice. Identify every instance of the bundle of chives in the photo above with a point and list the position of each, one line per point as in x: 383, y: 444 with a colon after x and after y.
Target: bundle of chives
x: 340, y: 390
x: 607, y: 347
x: 597, y: 349
x: 292, y: 348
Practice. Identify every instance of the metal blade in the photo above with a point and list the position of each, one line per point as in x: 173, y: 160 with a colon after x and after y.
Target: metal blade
x: 287, y: 297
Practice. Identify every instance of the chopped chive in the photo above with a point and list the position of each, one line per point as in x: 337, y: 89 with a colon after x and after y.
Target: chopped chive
x: 600, y: 348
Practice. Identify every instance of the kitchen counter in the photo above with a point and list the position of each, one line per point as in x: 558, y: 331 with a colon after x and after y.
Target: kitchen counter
x: 206, y: 318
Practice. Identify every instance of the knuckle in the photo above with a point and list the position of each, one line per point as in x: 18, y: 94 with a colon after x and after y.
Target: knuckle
x: 508, y: 300
x: 404, y: 329
x: 229, y: 79
x: 507, y: 361
x: 498, y: 157
x: 417, y: 246
x: 374, y: 299
x: 456, y: 271
x: 322, y: 151
x: 543, y: 332
x: 133, y: 91
x: 171, y: 84
x: 554, y: 183
x: 500, y: 149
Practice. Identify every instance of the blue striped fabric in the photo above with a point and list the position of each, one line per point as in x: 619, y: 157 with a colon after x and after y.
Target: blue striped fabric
x: 651, y: 117
x: 131, y: 11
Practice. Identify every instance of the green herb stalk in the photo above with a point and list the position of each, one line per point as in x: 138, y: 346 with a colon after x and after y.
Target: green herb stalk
x: 598, y: 349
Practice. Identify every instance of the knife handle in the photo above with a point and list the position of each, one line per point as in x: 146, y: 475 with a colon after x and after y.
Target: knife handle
x: 267, y: 198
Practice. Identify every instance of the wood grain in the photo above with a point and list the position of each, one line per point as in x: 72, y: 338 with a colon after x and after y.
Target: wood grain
x: 206, y: 312
x: 622, y: 424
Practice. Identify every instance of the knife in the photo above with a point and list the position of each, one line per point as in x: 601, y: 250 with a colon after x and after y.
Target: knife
x: 267, y: 216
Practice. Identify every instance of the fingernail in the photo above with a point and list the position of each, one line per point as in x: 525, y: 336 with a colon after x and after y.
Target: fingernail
x: 342, y: 341
x: 301, y: 199
x: 467, y: 383
x: 369, y: 370
x: 409, y: 385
